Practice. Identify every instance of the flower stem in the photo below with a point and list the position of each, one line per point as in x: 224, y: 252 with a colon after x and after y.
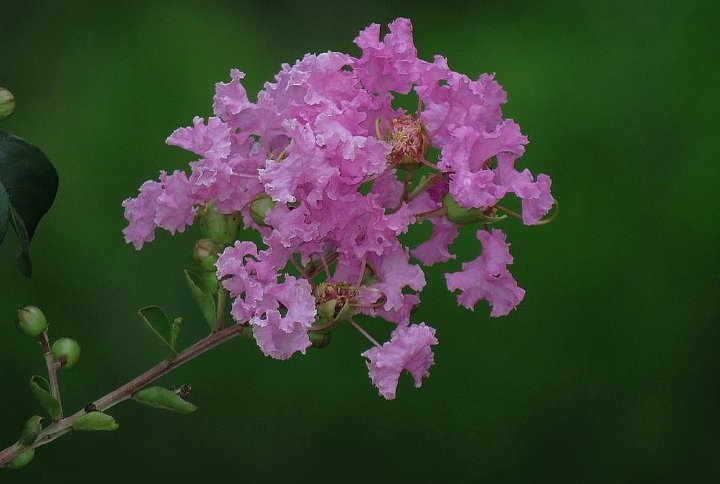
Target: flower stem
x: 64, y: 425
x: 52, y: 370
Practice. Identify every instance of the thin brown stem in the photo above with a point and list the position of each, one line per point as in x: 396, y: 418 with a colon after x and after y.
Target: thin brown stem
x: 509, y: 212
x: 421, y: 217
x: 52, y: 370
x: 424, y: 186
x: 63, y: 426
x: 364, y: 333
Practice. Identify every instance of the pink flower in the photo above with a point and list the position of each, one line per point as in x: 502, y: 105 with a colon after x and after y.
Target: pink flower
x: 487, y: 277
x: 203, y: 140
x: 319, y: 157
x: 408, y: 349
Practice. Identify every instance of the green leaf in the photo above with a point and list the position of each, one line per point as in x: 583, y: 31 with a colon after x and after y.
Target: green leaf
x: 95, y: 421
x: 31, y: 430
x: 203, y: 297
x: 159, y: 324
x: 41, y: 388
x: 164, y: 399
x: 4, y: 212
x: 22, y: 459
x: 30, y: 182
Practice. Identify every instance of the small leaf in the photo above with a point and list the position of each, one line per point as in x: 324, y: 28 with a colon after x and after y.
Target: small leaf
x: 31, y: 430
x: 22, y: 459
x: 30, y: 182
x: 95, y: 421
x: 165, y: 399
x: 41, y: 388
x: 158, y: 322
x: 203, y: 297
x: 174, y: 333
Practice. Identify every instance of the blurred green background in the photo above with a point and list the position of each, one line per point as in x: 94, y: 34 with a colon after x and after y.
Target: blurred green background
x: 608, y: 371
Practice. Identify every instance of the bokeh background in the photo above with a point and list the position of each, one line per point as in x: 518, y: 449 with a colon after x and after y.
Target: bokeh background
x: 607, y: 372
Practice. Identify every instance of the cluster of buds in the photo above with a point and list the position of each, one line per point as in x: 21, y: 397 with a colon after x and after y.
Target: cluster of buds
x: 313, y: 167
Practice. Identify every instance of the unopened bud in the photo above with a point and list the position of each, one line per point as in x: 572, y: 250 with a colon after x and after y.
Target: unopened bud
x: 7, y: 104
x: 463, y: 216
x: 31, y: 321
x: 218, y: 227
x: 206, y: 253
x: 259, y: 207
x: 319, y: 340
x: 66, y: 350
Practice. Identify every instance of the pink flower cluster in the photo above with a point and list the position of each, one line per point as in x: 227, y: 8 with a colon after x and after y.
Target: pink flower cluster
x: 323, y: 146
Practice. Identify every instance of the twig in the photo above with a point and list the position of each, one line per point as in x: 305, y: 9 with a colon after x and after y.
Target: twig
x: 63, y: 426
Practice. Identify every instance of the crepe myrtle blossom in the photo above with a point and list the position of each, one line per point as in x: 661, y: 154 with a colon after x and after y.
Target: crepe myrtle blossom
x: 330, y: 173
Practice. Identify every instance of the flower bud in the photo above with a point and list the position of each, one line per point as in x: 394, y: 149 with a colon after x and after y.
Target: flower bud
x: 22, y: 459
x: 218, y: 227
x: 32, y: 430
x: 463, y: 216
x: 206, y: 253
x: 7, y: 104
x: 259, y: 207
x: 31, y: 321
x: 67, y: 350
x: 319, y: 340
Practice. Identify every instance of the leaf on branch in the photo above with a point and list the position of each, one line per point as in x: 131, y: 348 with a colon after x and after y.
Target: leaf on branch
x: 41, y: 389
x: 95, y: 421
x: 159, y: 324
x: 28, y: 185
x: 164, y: 399
x: 203, y: 296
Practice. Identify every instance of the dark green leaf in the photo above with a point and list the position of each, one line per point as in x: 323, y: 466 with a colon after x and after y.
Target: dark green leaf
x: 165, y: 399
x: 31, y: 183
x: 4, y: 212
x: 95, y: 421
x: 203, y: 297
x: 23, y: 258
x: 159, y: 324
x: 41, y: 388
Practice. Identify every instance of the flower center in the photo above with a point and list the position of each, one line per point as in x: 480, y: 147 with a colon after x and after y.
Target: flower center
x: 410, y: 141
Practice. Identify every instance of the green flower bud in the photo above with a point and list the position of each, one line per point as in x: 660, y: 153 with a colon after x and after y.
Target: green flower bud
x: 66, y: 349
x: 31, y: 430
x: 206, y: 253
x: 218, y: 227
x: 31, y: 321
x: 22, y: 459
x: 7, y: 104
x: 463, y: 216
x: 319, y: 340
x: 259, y: 207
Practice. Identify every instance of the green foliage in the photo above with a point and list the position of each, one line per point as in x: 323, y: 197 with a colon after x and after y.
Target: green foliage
x: 31, y: 430
x: 159, y: 324
x: 203, y: 296
x: 41, y: 389
x: 22, y: 459
x: 95, y: 421
x: 28, y: 185
x: 164, y: 399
